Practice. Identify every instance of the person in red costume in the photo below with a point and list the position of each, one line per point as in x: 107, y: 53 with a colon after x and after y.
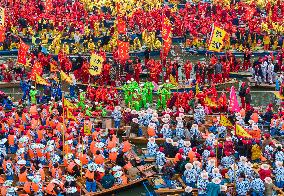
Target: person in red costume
x: 264, y: 171
x: 222, y: 103
x: 137, y: 69
x: 187, y: 69
x: 106, y: 73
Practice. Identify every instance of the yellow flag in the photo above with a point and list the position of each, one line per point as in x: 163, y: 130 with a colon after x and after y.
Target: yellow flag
x: 197, y: 90
x: 70, y: 115
x: 65, y: 77
x: 217, y: 39
x: 68, y: 104
x: 173, y: 80
x: 40, y: 80
x: 53, y: 67
x: 224, y: 121
x: 241, y: 132
x: 96, y: 64
x: 87, y: 129
x: 2, y: 16
x: 209, y: 102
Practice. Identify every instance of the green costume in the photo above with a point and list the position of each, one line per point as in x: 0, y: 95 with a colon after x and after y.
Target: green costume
x: 150, y: 87
x: 81, y: 103
x: 164, y: 96
x: 33, y: 93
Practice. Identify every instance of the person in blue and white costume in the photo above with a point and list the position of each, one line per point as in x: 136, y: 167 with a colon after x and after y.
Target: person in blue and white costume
x: 279, y: 154
x: 166, y: 131
x: 152, y: 147
x: 233, y: 173
x: 202, y: 182
x: 242, y: 185
x: 211, y: 165
x: 199, y: 114
x: 180, y: 143
x: 206, y: 154
x: 215, y: 173
x: 210, y: 140
x: 187, y: 147
x: 227, y: 160
x: 179, y: 128
x: 242, y: 164
x: 148, y: 116
x: 279, y: 174
x: 197, y: 167
x: 194, y: 132
x: 190, y: 175
x: 116, y: 114
x: 240, y: 119
x: 257, y: 186
x: 160, y: 159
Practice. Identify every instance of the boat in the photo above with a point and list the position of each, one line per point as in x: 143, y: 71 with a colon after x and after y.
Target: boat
x: 244, y: 74
x: 175, y: 39
x: 261, y: 85
x: 144, y: 140
x: 161, y: 188
x: 9, y: 84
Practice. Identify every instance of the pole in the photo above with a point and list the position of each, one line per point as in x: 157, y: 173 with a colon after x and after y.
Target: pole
x: 63, y: 126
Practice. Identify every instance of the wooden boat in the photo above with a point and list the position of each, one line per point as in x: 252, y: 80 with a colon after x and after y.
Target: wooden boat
x: 9, y: 84
x: 262, y: 85
x: 144, y: 140
x: 244, y: 74
x: 166, y: 190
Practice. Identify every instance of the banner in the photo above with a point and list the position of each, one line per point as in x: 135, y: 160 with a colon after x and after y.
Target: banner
x: 173, y: 80
x: 87, y: 130
x: 123, y: 50
x: 2, y: 16
x: 53, y: 67
x: 96, y: 64
x: 121, y: 25
x: 208, y: 101
x: 48, y: 5
x: 224, y: 121
x: 36, y: 70
x: 233, y: 104
x: 70, y: 115
x: 68, y: 104
x: 197, y: 90
x: 2, y: 33
x: 241, y: 132
x: 65, y: 77
x: 166, y: 35
x: 22, y: 53
x: 40, y: 80
x: 217, y: 39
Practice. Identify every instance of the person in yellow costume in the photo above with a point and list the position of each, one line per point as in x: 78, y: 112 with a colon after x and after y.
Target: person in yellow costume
x: 136, y: 44
x: 158, y: 44
x: 66, y: 48
x: 266, y: 42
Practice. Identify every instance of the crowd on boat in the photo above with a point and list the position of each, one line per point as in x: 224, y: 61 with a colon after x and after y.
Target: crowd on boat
x: 250, y: 24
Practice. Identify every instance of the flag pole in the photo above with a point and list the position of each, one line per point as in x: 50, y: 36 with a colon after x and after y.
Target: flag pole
x: 63, y: 131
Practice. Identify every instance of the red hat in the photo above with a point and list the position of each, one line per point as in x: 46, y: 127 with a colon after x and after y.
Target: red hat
x: 267, y: 135
x: 212, y: 154
x: 220, y: 145
x: 28, y: 127
x: 197, y: 155
x: 111, y: 132
x: 271, y: 144
x: 17, y: 125
x: 161, y: 149
x: 194, y: 149
x: 41, y: 127
x: 37, y: 140
x: 209, y: 148
x: 179, y: 157
x: 87, y: 118
x: 181, y: 150
x: 227, y: 153
x: 54, y: 138
x: 25, y: 110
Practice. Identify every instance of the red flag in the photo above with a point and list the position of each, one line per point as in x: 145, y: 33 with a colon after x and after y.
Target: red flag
x: 166, y: 35
x: 37, y: 69
x: 121, y: 25
x: 48, y: 5
x: 123, y: 50
x: 22, y: 53
x: 2, y: 33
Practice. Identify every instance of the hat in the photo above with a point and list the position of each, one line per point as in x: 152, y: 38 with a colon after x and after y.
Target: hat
x: 188, y: 166
x: 116, y: 168
x: 167, y: 116
x: 165, y: 120
x: 8, y: 183
x: 3, y: 141
x: 77, y: 161
x: 169, y: 140
x: 279, y: 163
x: 100, y: 144
x: 118, y: 174
x: 243, y: 159
x: 174, y: 143
x: 114, y: 149
x: 196, y: 163
x: 187, y: 143
x: 216, y: 180
x: 127, y: 110
x: 22, y: 162
x: 152, y: 139
x: 204, y: 175
x: 188, y: 189
x: 268, y: 180
x: 101, y: 169
x: 70, y: 178
x: 264, y: 166
x: 91, y: 166
x: 135, y: 120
